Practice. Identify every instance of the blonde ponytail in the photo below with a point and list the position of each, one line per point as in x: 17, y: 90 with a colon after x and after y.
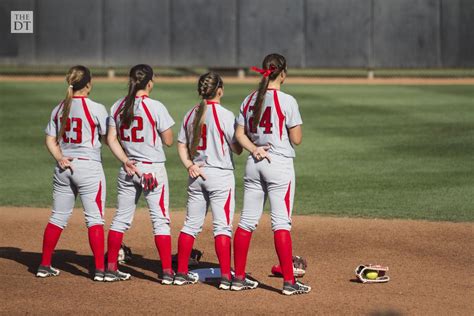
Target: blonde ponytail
x: 77, y: 78
x: 65, y: 111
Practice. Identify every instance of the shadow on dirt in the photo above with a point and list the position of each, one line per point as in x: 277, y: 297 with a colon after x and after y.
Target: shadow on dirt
x: 64, y: 260
x: 71, y: 262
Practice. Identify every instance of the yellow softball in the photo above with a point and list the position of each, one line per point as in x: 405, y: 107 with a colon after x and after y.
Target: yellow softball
x: 371, y: 275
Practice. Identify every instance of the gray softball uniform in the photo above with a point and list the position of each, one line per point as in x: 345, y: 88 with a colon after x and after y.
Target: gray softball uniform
x: 214, y: 152
x: 141, y: 141
x: 275, y: 179
x: 86, y: 121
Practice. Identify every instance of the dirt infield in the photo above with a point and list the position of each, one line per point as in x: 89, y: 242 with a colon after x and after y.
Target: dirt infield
x: 254, y: 80
x: 430, y: 266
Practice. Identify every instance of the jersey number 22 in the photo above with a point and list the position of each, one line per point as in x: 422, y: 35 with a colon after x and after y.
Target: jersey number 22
x: 137, y: 126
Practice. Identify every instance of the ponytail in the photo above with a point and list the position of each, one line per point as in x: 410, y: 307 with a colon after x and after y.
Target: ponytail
x: 66, y: 110
x: 273, y: 65
x: 262, y: 90
x: 139, y: 77
x: 208, y: 85
x: 127, y: 112
x: 197, y: 127
x: 77, y: 78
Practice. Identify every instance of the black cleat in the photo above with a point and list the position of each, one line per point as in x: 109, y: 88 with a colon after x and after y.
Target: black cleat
x: 46, y: 271
x: 167, y: 279
x: 225, y: 284
x: 296, y: 288
x: 113, y: 276
x: 99, y: 275
x: 245, y: 284
x: 184, y: 279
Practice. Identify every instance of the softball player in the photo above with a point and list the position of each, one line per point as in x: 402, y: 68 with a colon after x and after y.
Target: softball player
x: 138, y: 128
x: 269, y: 124
x: 205, y: 145
x: 72, y: 138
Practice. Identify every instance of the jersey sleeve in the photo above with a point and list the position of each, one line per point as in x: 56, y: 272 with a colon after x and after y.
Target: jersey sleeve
x: 293, y: 116
x: 241, y: 118
x: 229, y: 128
x: 164, y: 119
x: 52, y: 127
x: 102, y: 118
x: 182, y: 133
x: 111, y: 120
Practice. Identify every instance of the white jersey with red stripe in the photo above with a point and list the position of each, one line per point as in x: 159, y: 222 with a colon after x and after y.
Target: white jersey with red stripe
x: 216, y: 136
x: 86, y: 121
x: 279, y: 113
x: 141, y: 140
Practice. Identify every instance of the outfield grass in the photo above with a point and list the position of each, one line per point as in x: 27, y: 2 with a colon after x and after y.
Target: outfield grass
x: 371, y: 151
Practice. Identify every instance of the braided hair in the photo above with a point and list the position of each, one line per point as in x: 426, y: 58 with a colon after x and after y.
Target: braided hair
x: 208, y: 85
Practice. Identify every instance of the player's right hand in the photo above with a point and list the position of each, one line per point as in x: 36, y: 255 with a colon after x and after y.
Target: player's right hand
x: 261, y: 153
x: 65, y: 162
x: 195, y: 171
x: 130, y: 167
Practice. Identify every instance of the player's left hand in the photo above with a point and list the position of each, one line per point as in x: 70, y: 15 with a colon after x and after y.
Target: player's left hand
x: 261, y: 153
x: 65, y: 162
x: 195, y: 171
x: 130, y: 167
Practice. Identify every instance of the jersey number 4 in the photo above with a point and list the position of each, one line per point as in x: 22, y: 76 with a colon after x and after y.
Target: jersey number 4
x: 137, y: 126
x: 265, y: 122
x: 73, y: 125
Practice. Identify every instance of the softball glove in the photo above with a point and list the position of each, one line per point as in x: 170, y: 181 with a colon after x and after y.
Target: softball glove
x: 372, y: 273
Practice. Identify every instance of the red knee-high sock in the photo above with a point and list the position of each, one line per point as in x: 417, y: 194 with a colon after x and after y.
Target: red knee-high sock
x: 163, y: 244
x: 241, y: 248
x: 50, y: 239
x: 222, y: 244
x: 96, y: 241
x: 114, y: 242
x: 185, y: 246
x: 284, y: 251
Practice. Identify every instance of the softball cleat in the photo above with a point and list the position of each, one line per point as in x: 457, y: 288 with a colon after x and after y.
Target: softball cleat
x: 245, y: 284
x: 99, y: 276
x: 184, y: 279
x: 225, y: 284
x: 46, y: 271
x: 113, y: 276
x: 167, y: 279
x: 296, y: 288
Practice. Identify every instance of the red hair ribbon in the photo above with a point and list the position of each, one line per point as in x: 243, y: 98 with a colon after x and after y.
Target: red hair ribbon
x: 265, y: 72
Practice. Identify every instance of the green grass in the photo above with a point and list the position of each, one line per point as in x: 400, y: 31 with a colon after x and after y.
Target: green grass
x: 368, y: 151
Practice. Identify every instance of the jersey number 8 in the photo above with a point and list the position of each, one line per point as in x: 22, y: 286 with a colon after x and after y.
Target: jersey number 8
x: 203, y: 142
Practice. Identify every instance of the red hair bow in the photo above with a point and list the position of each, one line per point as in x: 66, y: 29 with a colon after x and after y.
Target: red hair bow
x: 265, y: 72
